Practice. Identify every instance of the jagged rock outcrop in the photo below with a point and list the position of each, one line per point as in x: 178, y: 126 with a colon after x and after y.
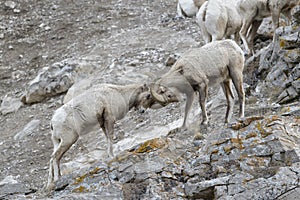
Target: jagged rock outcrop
x: 257, y: 158
x: 281, y: 74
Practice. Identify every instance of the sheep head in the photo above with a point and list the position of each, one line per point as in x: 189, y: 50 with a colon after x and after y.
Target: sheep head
x: 163, y: 95
x: 145, y: 99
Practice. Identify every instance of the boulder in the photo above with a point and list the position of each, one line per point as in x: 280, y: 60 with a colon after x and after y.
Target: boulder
x: 55, y: 79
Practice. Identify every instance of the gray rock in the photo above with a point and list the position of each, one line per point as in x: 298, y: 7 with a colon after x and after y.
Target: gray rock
x: 296, y: 14
x: 10, y: 105
x: 28, y: 129
x: 10, y: 186
x: 291, y: 56
x: 288, y: 95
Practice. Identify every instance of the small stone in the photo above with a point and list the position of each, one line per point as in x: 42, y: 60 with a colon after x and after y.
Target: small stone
x: 18, y: 74
x: 165, y: 174
x: 47, y: 28
x: 17, y: 11
x: 10, y: 4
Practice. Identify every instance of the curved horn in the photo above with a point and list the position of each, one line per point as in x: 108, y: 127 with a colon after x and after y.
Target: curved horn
x: 157, y: 97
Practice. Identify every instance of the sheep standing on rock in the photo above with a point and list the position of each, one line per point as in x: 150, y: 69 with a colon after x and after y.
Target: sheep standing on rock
x: 253, y: 12
x: 219, y: 19
x: 216, y: 62
x: 99, y: 106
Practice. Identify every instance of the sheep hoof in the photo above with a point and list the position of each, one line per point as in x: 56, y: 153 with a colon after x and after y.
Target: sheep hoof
x: 205, y: 123
x: 49, y: 187
x: 173, y: 132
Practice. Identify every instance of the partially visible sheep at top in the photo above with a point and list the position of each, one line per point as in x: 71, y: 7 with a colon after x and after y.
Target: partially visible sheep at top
x: 188, y: 8
x: 219, y: 19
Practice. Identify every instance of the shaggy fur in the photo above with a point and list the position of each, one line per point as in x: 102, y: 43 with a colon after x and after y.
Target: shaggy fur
x: 219, y: 19
x: 100, y: 106
x: 219, y: 62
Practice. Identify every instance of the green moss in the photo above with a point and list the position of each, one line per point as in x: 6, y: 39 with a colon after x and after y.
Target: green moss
x: 80, y: 189
x: 89, y: 174
x: 80, y: 179
x: 214, y: 151
x: 151, y: 145
x: 250, y: 135
x: 282, y: 43
x: 227, y: 149
x: 260, y: 128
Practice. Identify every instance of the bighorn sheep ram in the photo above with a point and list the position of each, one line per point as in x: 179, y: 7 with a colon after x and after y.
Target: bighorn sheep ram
x: 99, y: 106
x: 253, y: 12
x: 219, y: 19
x: 216, y: 62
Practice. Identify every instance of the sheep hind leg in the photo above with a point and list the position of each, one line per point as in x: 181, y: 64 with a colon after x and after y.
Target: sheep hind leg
x: 247, y: 21
x: 56, y: 142
x: 227, y: 89
x: 237, y: 79
x: 64, y: 145
x: 188, y: 105
x: 252, y: 33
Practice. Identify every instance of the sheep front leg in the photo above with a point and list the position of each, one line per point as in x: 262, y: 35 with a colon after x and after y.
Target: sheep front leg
x: 188, y: 105
x: 203, y: 92
x: 275, y: 20
x: 108, y: 129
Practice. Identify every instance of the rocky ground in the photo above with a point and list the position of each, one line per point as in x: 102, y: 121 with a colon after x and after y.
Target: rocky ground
x: 121, y: 42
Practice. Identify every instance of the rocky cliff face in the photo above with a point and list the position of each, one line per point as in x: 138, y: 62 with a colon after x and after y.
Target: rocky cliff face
x: 50, y: 47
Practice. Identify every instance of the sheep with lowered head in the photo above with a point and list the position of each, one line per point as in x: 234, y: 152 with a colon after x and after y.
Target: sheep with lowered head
x: 100, y: 106
x: 218, y: 62
x: 253, y: 12
x: 219, y: 19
